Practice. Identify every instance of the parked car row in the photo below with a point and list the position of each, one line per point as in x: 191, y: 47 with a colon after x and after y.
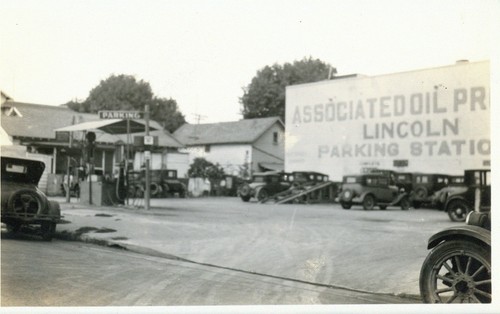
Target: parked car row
x: 456, y: 195
x: 266, y: 184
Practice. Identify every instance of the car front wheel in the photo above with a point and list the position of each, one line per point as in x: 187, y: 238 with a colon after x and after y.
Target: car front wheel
x: 405, y: 203
x: 456, y: 272
x: 345, y: 205
x: 368, y: 202
x: 458, y: 210
x: 263, y: 194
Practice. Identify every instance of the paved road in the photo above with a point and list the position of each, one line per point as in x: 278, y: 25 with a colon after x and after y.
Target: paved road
x: 374, y: 251
x: 37, y: 273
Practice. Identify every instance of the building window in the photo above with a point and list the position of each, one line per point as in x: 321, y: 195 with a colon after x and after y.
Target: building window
x: 275, y: 138
x: 207, y: 148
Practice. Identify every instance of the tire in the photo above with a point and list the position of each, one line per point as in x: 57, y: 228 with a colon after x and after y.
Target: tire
x: 417, y: 204
x: 458, y: 210
x: 26, y: 201
x: 48, y: 229
x: 466, y: 278
x: 262, y: 194
x: 405, y: 203
x: 345, y: 205
x: 245, y: 198
x: 382, y: 207
x: 421, y: 192
x: 368, y: 202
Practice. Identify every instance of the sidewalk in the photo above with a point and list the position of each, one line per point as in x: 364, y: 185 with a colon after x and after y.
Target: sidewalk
x: 171, y: 233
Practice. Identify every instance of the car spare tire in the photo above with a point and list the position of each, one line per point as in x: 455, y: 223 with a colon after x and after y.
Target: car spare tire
x: 27, y: 202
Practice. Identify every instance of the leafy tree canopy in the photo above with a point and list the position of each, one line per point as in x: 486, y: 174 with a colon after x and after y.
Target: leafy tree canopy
x: 124, y: 92
x: 202, y: 168
x: 265, y: 95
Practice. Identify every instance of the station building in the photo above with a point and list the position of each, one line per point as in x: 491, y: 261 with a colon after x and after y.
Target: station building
x: 434, y: 120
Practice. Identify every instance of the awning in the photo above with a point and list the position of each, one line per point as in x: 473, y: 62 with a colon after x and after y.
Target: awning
x: 110, y: 126
x: 276, y: 166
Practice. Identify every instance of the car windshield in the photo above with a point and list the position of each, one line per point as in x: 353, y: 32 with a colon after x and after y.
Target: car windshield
x: 350, y: 180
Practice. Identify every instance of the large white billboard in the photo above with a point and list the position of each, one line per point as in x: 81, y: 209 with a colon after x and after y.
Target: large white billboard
x: 431, y: 120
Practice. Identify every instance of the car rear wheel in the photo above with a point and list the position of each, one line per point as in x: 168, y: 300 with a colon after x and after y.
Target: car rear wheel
x: 368, y: 202
x: 48, y: 229
x: 245, y: 198
x: 421, y: 192
x: 458, y: 210
x: 456, y: 272
x: 382, y: 207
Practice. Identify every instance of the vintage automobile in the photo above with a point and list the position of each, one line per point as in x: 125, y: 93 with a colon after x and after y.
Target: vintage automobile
x: 172, y: 185
x: 458, y: 269
x: 455, y: 185
x: 371, y: 190
x: 307, y: 178
x: 264, y: 185
x: 477, y: 195
x: 22, y: 202
x: 424, y: 185
x: 164, y: 183
x: 403, y: 180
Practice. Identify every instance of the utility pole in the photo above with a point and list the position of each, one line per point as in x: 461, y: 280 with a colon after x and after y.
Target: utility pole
x: 147, y: 157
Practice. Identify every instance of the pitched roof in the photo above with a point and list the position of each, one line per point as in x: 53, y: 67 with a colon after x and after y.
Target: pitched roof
x: 40, y: 121
x: 241, y: 132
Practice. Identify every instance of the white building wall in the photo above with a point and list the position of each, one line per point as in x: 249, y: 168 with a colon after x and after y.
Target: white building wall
x: 231, y: 157
x: 171, y: 160
x: 438, y: 120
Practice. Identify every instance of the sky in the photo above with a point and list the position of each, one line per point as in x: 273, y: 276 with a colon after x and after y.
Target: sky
x: 203, y: 53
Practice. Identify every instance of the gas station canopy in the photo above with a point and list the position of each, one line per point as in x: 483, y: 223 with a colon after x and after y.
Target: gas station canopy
x: 111, y: 126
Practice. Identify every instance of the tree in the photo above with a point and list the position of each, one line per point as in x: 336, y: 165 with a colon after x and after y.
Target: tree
x: 202, y: 168
x: 265, y: 95
x: 124, y: 92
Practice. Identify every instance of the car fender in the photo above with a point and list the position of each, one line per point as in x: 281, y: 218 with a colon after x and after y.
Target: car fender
x: 460, y: 232
x: 257, y: 190
x: 363, y: 195
x: 54, y: 209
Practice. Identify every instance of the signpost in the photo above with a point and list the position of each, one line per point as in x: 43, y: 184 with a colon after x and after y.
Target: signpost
x: 120, y: 114
x: 128, y: 115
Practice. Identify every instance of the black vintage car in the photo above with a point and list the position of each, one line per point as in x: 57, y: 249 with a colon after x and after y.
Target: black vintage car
x: 477, y: 194
x: 22, y: 202
x: 425, y: 185
x: 403, y: 180
x: 164, y: 183
x: 307, y: 178
x: 264, y: 185
x: 371, y: 190
x: 458, y: 269
x: 455, y: 185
